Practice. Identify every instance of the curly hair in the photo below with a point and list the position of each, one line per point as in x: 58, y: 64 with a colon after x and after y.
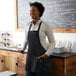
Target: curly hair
x: 39, y: 6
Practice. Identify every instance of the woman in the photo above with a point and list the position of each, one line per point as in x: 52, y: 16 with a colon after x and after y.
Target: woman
x: 36, y: 39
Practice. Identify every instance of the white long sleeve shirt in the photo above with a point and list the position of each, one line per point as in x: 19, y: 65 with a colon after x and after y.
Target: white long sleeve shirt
x: 45, y: 34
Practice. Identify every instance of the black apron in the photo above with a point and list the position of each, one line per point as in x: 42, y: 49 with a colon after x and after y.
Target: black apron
x: 35, y: 49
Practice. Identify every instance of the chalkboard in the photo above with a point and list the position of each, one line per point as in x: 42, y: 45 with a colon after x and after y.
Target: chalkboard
x: 60, y: 14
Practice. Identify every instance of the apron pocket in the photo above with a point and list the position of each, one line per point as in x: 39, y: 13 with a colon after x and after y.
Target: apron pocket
x: 42, y: 65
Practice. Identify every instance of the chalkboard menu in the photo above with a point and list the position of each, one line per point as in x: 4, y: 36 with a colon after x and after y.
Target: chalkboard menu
x: 58, y: 13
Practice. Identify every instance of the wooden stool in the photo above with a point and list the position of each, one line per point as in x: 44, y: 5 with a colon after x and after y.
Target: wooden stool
x: 8, y: 73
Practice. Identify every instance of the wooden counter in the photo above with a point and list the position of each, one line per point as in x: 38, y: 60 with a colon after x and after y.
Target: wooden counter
x: 64, y: 63
x: 12, y: 61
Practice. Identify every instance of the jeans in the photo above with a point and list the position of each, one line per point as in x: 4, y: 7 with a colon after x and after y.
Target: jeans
x: 35, y: 74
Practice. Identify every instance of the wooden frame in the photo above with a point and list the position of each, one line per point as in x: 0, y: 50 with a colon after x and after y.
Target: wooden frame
x: 64, y: 30
x: 56, y: 30
x: 16, y: 17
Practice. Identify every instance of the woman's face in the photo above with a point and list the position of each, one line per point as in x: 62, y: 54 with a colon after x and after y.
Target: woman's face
x: 34, y: 13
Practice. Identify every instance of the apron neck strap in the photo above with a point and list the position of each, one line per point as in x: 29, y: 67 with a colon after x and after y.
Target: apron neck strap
x: 39, y: 26
x: 30, y: 26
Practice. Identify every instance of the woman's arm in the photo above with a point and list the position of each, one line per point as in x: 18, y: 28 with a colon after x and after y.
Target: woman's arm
x: 51, y: 39
x: 49, y: 33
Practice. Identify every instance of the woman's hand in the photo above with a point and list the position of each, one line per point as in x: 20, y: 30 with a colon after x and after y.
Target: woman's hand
x: 45, y: 56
